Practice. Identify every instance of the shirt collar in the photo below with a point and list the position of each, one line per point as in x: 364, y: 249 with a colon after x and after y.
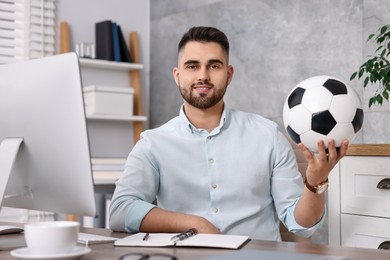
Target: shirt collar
x: 193, y: 129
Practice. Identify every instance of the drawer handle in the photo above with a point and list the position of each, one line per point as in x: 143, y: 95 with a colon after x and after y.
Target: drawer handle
x: 384, y: 245
x: 384, y: 184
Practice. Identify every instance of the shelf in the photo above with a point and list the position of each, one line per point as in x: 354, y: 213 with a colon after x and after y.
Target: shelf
x: 117, y: 118
x: 105, y: 182
x: 113, y: 65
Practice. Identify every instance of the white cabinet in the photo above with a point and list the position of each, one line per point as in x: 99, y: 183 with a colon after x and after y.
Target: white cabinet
x: 364, y: 231
x: 110, y: 136
x: 359, y: 196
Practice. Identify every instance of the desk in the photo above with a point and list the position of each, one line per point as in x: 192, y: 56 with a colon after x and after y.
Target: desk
x: 108, y: 251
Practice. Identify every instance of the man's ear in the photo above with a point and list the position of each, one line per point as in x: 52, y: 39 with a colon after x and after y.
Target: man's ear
x: 230, y: 73
x: 176, y: 75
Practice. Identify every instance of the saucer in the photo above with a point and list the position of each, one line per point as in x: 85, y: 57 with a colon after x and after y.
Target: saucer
x: 76, y: 253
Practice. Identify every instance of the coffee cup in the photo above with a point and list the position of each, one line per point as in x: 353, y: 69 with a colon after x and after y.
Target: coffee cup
x: 51, y: 237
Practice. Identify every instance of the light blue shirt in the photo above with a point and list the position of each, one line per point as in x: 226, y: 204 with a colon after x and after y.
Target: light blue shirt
x: 242, y: 176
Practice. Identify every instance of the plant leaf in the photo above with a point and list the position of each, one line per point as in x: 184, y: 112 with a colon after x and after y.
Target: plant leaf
x: 383, y: 29
x: 370, y: 36
x: 380, y: 47
x: 361, y: 72
x: 385, y: 94
x: 376, y: 69
x: 366, y: 81
x: 379, y: 99
x: 369, y: 65
x: 371, y: 102
x: 353, y: 75
x: 379, y: 40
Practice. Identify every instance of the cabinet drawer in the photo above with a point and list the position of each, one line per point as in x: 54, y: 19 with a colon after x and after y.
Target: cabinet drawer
x: 359, y: 179
x: 367, y: 232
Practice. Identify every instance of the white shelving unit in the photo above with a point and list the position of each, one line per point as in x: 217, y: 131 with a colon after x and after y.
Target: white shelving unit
x: 117, y: 118
x: 112, y: 65
x: 110, y: 135
x: 109, y: 65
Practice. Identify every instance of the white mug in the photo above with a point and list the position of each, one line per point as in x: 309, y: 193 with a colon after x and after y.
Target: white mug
x: 51, y: 237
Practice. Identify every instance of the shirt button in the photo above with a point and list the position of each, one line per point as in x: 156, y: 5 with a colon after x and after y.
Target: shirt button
x: 214, y: 186
x: 214, y: 210
x: 211, y: 160
x: 208, y: 137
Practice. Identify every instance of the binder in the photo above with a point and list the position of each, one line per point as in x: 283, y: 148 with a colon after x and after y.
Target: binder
x: 125, y: 52
x: 116, y: 43
x: 103, y: 40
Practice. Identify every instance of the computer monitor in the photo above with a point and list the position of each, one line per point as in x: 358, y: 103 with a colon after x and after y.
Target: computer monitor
x: 44, y: 150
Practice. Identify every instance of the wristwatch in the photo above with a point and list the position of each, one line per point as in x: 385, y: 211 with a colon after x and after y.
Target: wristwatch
x: 318, y: 189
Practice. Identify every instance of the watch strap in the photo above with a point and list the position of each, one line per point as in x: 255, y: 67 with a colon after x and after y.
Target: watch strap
x: 314, y: 188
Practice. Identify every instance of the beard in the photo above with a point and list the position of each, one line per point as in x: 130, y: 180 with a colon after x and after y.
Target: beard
x: 202, y: 100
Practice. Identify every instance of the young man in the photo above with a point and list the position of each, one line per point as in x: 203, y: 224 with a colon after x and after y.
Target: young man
x: 217, y: 169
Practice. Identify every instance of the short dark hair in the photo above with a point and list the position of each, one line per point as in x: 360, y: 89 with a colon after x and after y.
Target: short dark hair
x: 205, y: 34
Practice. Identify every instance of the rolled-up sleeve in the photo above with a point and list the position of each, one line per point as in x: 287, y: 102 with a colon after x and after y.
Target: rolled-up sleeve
x: 295, y: 228
x: 287, y: 177
x: 135, y: 191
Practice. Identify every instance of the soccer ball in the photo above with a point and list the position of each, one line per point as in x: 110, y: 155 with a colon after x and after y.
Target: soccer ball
x: 322, y: 107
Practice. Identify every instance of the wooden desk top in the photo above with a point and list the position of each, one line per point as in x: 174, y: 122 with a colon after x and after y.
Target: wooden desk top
x: 108, y: 251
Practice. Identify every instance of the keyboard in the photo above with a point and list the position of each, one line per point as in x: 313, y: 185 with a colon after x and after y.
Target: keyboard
x: 89, y: 239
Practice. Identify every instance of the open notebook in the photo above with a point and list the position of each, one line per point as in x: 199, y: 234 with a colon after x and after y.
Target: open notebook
x: 199, y: 240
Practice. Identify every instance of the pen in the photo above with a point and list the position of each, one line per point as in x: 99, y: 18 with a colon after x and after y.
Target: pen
x: 184, y: 235
x: 145, y: 237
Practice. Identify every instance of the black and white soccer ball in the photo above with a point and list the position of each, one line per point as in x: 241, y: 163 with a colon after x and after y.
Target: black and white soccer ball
x: 322, y: 107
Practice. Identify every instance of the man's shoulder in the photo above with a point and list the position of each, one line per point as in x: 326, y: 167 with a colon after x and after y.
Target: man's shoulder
x: 166, y: 127
x: 251, y: 117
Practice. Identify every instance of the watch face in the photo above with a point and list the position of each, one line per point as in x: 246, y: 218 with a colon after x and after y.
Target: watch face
x: 322, y: 188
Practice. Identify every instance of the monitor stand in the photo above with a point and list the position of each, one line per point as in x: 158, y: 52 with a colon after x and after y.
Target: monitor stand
x: 9, y: 149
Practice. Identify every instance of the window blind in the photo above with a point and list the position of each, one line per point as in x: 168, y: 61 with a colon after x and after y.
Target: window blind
x: 27, y: 29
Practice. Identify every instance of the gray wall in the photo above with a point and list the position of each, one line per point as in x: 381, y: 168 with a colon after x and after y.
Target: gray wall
x: 275, y: 44
x: 376, y: 128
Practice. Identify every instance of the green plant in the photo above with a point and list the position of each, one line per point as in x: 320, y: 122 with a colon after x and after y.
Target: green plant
x: 376, y: 70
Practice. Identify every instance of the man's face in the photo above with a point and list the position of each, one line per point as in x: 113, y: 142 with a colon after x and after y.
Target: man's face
x: 203, y: 74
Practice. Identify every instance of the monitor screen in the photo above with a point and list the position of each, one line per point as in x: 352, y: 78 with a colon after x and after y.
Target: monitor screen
x: 44, y: 150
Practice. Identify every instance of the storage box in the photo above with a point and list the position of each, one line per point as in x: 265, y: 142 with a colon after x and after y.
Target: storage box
x: 107, y: 100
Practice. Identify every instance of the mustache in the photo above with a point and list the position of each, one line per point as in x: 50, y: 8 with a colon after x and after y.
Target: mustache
x: 199, y: 83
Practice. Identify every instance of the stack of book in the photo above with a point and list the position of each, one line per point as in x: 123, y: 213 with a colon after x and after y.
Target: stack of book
x: 107, y: 170
x: 110, y: 42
